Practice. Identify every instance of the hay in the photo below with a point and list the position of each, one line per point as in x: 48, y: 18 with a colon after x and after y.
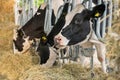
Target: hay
x: 67, y: 72
x: 13, y: 65
x: 25, y: 67
x: 39, y: 73
x: 113, y: 44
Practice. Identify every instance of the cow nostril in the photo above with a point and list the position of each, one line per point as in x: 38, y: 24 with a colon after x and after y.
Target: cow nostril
x: 59, y: 39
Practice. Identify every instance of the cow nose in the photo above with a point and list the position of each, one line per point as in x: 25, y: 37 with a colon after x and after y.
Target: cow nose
x: 58, y: 39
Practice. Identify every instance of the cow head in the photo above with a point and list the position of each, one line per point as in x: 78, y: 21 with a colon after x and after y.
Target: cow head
x: 77, y: 29
x: 34, y: 28
x: 21, y: 42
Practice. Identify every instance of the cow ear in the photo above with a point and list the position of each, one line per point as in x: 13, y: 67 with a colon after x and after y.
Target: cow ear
x: 98, y: 11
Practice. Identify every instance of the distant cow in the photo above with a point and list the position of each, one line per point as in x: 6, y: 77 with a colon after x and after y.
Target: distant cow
x: 78, y: 30
x: 26, y: 35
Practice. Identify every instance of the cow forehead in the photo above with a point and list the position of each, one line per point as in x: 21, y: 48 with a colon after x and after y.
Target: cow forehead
x: 78, y: 9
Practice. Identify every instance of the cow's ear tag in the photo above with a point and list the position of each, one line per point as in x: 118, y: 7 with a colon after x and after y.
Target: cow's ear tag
x: 97, y: 14
x: 44, y: 38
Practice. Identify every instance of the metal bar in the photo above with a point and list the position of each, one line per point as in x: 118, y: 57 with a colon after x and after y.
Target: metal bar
x: 90, y: 5
x: 30, y: 9
x: 59, y: 12
x: 73, y: 3
x: 46, y: 18
x: 49, y: 15
x: 91, y: 63
x: 107, y: 16
x: 47, y: 24
x: 16, y: 11
x: 110, y: 11
x: 70, y: 6
x: 104, y: 22
x: 98, y: 25
x: 23, y: 13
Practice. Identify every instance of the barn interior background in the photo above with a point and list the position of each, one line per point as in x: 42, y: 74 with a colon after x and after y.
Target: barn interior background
x: 26, y: 67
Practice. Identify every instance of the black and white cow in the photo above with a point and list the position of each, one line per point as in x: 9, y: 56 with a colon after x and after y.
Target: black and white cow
x: 45, y: 50
x: 78, y: 30
x: 34, y: 28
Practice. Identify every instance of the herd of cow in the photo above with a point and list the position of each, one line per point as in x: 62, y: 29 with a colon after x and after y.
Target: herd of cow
x: 75, y: 27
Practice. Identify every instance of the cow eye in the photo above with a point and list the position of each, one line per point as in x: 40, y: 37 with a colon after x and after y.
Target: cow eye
x: 78, y: 21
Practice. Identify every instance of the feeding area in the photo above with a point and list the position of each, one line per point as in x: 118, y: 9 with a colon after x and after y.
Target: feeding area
x: 27, y: 66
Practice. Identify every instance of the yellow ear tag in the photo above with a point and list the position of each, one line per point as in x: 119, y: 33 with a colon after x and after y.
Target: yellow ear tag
x: 44, y: 38
x: 97, y: 14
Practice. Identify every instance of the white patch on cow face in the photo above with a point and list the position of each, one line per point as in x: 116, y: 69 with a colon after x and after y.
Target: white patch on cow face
x: 78, y: 9
x: 26, y: 46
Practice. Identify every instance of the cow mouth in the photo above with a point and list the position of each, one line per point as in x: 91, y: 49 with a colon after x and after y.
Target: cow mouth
x: 58, y: 46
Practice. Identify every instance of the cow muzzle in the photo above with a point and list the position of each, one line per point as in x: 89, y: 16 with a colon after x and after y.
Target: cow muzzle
x: 60, y: 41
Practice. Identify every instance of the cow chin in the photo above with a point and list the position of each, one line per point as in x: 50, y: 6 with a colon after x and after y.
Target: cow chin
x: 16, y: 51
x: 26, y: 46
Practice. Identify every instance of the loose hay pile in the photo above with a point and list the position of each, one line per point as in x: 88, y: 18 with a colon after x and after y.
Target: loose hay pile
x: 113, y: 44
x: 13, y: 65
x: 67, y: 72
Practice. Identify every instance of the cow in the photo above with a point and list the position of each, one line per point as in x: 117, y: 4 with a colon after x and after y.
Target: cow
x: 45, y: 50
x: 33, y: 30
x: 78, y: 30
